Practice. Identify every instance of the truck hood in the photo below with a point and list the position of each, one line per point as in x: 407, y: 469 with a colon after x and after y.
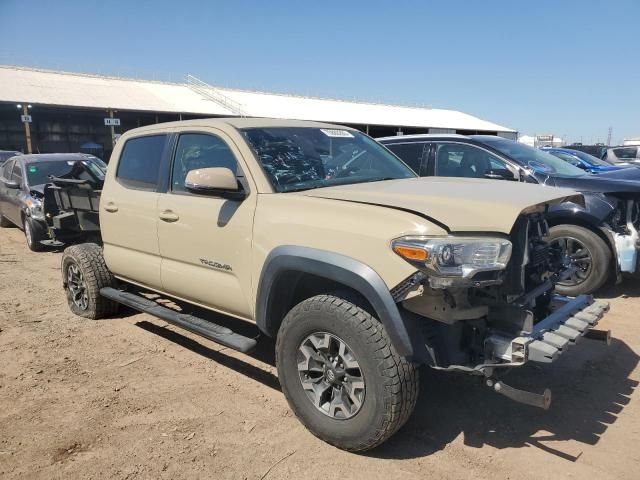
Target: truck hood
x: 455, y: 204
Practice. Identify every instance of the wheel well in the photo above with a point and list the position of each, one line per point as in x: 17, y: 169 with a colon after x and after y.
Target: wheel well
x: 292, y: 287
x: 584, y: 224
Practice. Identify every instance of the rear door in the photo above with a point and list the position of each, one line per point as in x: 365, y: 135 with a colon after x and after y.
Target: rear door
x: 205, y: 240
x: 14, y: 195
x: 128, y: 210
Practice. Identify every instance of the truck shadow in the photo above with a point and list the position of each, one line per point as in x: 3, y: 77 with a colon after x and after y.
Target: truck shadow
x: 630, y: 287
x: 591, y: 386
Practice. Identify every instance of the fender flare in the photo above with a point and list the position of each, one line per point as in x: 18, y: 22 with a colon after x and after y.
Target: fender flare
x: 338, y: 268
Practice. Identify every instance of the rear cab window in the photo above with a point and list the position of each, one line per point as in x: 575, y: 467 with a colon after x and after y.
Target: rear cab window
x: 140, y: 161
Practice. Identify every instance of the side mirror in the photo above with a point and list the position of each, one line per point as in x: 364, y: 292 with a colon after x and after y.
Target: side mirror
x: 216, y: 181
x: 499, y: 174
x: 11, y: 184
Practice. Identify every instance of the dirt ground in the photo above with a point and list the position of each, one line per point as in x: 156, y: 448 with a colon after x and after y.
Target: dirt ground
x: 131, y: 397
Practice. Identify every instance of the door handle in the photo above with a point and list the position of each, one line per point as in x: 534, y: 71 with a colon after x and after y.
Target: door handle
x: 111, y: 207
x: 169, y: 216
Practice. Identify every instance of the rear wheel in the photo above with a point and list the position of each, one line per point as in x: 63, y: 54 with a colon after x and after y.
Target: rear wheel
x: 84, y: 273
x: 341, y: 375
x: 588, y: 253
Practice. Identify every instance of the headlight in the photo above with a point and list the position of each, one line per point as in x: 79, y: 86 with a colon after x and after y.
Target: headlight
x: 35, y: 208
x: 454, y: 256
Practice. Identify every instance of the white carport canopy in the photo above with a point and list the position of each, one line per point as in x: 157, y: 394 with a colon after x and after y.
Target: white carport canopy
x: 52, y: 88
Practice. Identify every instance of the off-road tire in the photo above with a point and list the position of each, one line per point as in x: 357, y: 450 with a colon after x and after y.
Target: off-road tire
x: 601, y: 267
x: 391, y: 382
x: 34, y: 233
x: 90, y: 262
x: 4, y: 221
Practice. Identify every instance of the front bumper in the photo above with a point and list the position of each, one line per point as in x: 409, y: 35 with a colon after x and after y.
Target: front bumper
x: 570, y: 320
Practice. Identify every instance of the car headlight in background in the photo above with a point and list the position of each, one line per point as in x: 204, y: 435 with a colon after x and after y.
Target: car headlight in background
x: 460, y: 257
x: 35, y: 208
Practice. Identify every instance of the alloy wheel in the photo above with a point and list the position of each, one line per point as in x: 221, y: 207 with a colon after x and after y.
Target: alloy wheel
x: 77, y: 286
x: 579, y: 256
x: 331, y: 375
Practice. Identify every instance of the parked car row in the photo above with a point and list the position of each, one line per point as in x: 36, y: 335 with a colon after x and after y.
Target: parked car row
x: 22, y: 189
x: 599, y: 237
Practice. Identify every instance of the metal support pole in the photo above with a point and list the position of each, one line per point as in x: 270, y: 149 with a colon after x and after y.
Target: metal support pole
x: 367, y: 131
x: 27, y: 128
x: 113, y: 130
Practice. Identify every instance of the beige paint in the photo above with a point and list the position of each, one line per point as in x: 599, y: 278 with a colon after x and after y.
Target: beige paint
x: 160, y: 240
x: 211, y: 178
x: 462, y: 204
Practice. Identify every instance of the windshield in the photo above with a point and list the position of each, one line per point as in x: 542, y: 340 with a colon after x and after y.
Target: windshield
x: 38, y: 173
x: 533, y: 158
x: 590, y: 159
x: 301, y: 158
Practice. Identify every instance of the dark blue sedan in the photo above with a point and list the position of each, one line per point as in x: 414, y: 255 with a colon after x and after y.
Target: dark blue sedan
x: 584, y: 161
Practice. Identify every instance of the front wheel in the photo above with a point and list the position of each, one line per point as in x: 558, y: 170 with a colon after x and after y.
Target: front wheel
x: 84, y: 273
x: 34, y: 233
x: 588, y: 253
x: 341, y: 374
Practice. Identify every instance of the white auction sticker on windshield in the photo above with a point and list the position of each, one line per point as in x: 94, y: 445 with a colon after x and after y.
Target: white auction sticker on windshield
x: 334, y: 132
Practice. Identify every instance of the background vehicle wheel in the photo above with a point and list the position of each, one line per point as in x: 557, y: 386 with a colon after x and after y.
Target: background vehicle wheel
x: 589, y: 254
x: 341, y: 375
x: 4, y: 222
x: 84, y: 273
x: 34, y: 232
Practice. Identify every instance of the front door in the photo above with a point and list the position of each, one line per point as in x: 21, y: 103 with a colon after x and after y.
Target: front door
x: 205, y: 241
x: 128, y: 210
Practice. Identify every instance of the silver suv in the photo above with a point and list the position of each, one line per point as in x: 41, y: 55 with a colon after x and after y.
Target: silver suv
x: 624, y: 154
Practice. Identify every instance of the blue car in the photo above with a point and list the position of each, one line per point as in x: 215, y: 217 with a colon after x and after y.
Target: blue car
x: 584, y: 161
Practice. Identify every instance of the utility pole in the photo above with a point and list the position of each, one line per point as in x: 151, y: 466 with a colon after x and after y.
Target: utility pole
x: 112, y: 128
x: 609, y: 136
x: 27, y: 127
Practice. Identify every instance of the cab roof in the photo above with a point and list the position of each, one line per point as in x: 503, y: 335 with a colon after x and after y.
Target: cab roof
x: 238, y: 123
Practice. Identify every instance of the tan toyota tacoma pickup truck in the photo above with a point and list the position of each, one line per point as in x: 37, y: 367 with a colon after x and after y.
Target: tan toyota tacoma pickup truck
x: 332, y: 246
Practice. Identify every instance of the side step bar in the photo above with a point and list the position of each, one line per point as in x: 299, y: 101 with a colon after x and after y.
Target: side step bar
x: 199, y: 326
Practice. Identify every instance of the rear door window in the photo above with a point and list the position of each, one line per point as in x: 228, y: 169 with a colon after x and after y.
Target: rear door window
x: 16, y: 175
x: 139, y: 164
x: 413, y: 154
x: 6, y: 169
x: 626, y: 152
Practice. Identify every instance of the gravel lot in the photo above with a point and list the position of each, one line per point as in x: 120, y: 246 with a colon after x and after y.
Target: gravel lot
x: 131, y: 397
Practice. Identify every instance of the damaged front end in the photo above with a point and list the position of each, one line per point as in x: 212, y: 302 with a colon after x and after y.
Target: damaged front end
x: 622, y: 226
x: 485, y: 307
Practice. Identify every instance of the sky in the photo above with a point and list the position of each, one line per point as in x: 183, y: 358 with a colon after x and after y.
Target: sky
x: 568, y: 68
